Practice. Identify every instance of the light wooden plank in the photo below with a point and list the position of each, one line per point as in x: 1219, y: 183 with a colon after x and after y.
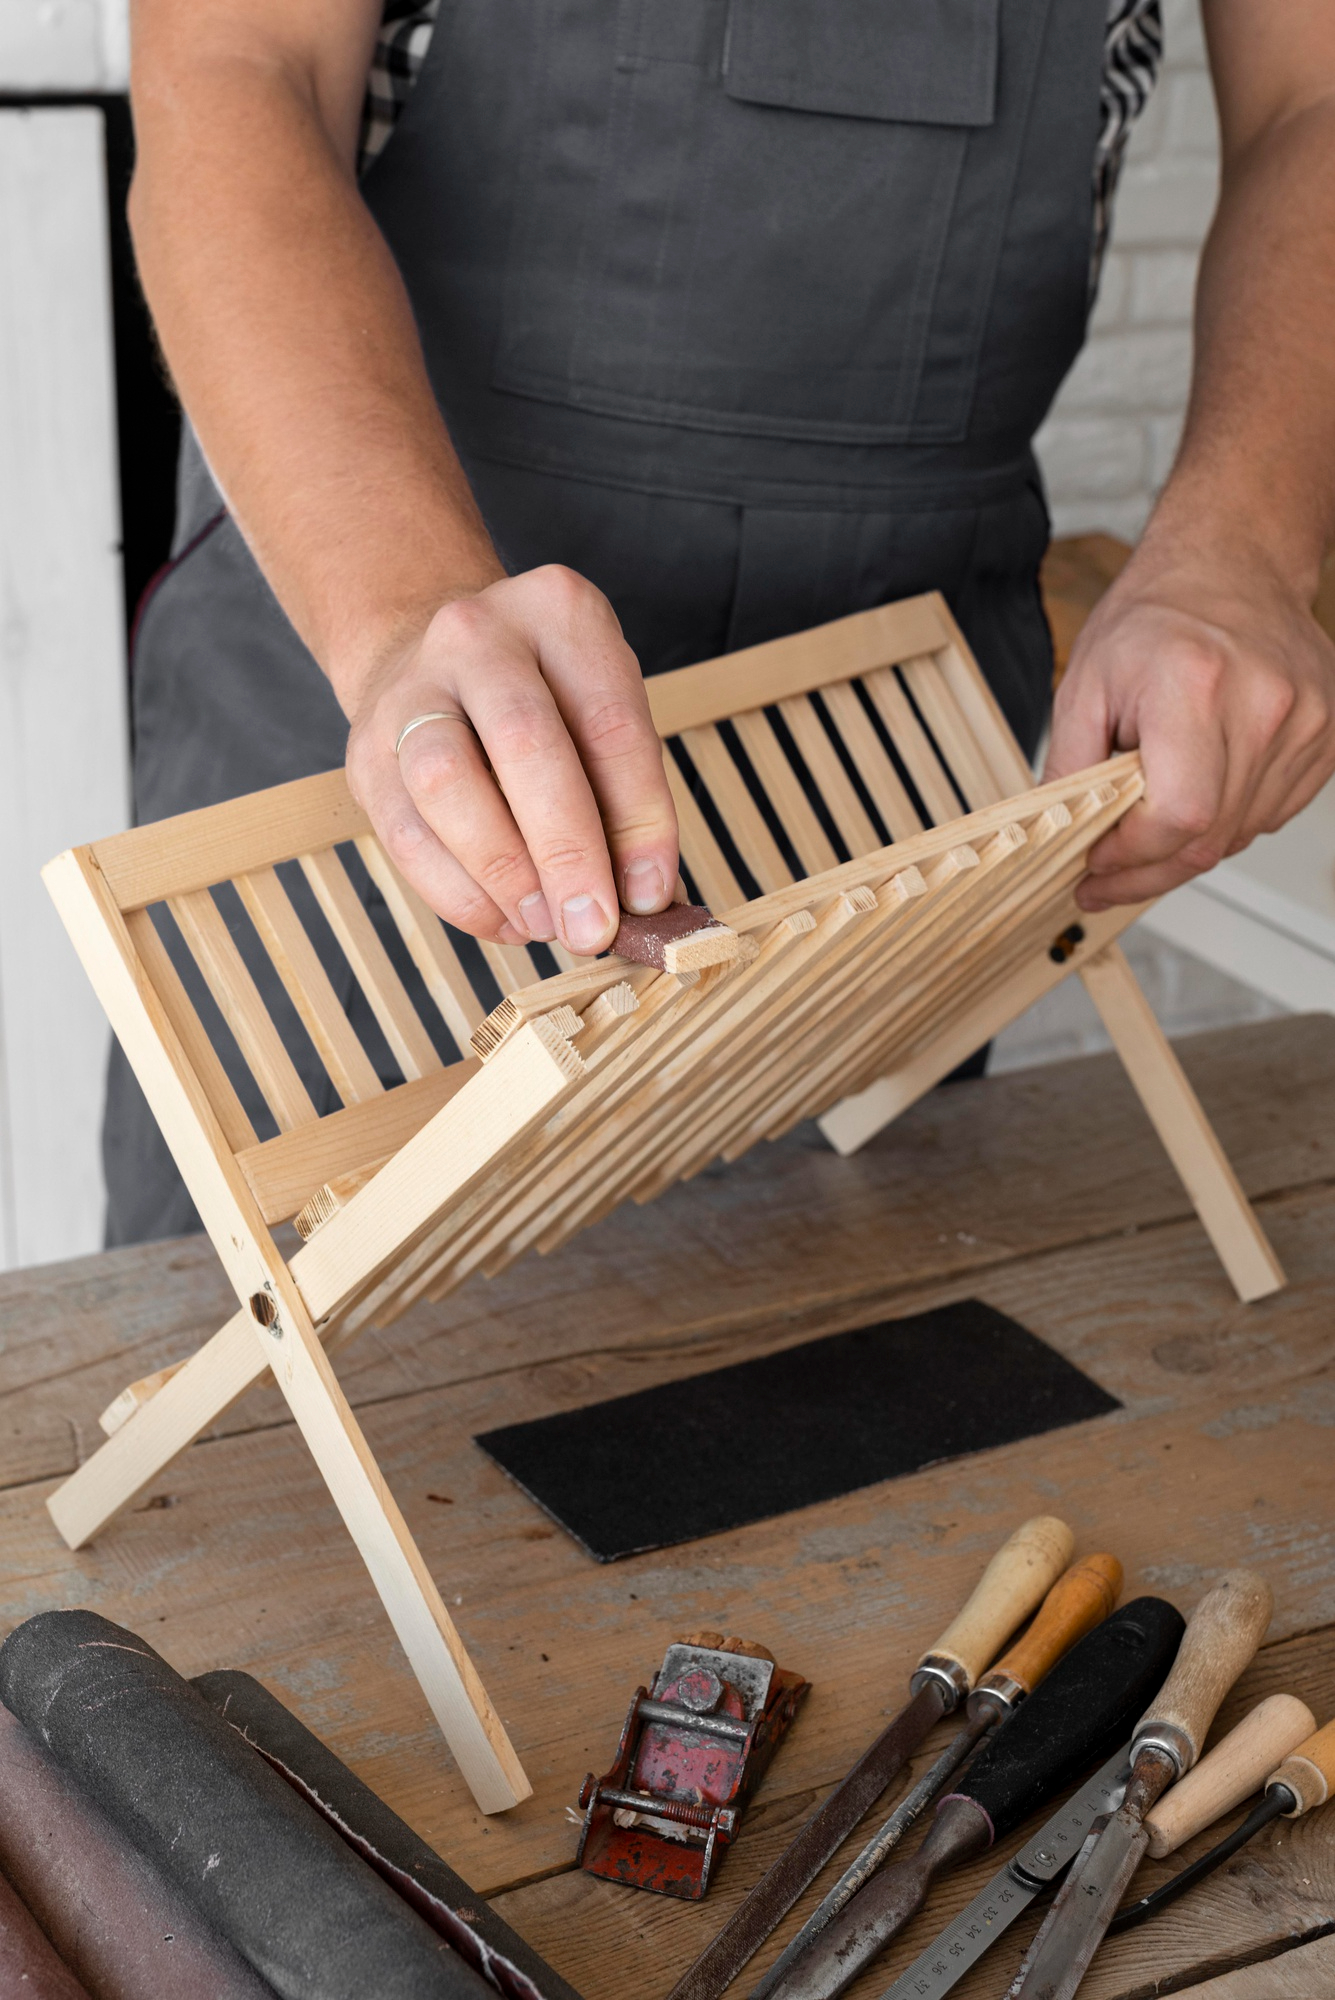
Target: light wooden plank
x: 283, y: 1173
x: 760, y: 676
x: 832, y: 781
x: 228, y: 979
x: 428, y: 943
x: 288, y: 1340
x: 510, y: 964
x: 64, y: 765
x: 195, y: 850
x: 198, y: 1050
x: 699, y: 850
x: 346, y: 915
x: 736, y: 808
x: 1304, y: 1974
x: 884, y: 784
x: 963, y: 755
x: 307, y: 984
x: 790, y: 802
x: 913, y: 744
x: 982, y: 711
x: 1175, y: 1112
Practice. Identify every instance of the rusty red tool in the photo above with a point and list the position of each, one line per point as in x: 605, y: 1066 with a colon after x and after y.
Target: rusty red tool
x: 690, y: 1756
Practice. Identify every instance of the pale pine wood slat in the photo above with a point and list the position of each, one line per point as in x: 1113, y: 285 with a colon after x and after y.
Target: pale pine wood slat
x: 308, y: 986
x: 784, y: 790
x: 198, y: 1050
x: 428, y: 944
x: 412, y: 1047
x: 832, y: 781
x: 737, y: 809
x: 227, y: 976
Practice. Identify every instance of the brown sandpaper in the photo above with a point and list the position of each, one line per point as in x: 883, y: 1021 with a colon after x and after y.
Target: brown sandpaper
x: 809, y: 1423
x: 127, y: 1933
x: 29, y: 1963
x: 643, y: 939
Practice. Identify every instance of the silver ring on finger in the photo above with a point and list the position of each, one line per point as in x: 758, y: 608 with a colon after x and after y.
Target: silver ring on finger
x: 435, y: 715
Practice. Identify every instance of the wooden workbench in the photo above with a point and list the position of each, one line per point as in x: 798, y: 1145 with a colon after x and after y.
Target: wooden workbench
x: 1043, y: 1192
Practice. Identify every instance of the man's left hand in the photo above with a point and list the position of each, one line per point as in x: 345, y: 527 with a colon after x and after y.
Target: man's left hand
x: 1208, y: 662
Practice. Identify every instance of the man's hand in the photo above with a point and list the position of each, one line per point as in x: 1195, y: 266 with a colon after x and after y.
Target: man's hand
x: 1214, y: 667
x: 539, y: 805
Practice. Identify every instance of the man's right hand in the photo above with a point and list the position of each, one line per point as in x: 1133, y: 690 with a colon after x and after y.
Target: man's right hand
x: 536, y: 804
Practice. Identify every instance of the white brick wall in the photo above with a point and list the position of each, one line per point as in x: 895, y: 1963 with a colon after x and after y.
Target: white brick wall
x: 1108, y: 445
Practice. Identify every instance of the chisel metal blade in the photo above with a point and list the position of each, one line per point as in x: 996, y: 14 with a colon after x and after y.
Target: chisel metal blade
x: 776, y: 1892
x: 1013, y: 1888
x: 1059, y: 1957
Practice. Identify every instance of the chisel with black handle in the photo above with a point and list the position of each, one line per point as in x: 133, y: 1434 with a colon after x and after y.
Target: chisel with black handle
x: 1305, y: 1778
x: 1014, y: 1583
x: 1221, y: 1638
x: 1077, y: 1601
x: 1077, y: 1717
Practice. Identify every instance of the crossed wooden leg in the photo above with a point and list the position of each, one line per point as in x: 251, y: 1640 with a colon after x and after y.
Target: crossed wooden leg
x: 1147, y: 1056
x: 195, y: 1396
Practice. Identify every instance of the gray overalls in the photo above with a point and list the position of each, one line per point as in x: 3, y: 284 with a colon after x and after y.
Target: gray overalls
x: 746, y: 309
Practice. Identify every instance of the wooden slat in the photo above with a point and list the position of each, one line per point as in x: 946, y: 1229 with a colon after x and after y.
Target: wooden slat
x: 225, y: 973
x: 196, y: 1047
x: 194, y: 850
x: 511, y: 966
x: 297, y: 964
x: 284, y: 1172
x: 346, y: 915
x: 794, y: 809
x: 428, y: 943
x: 970, y: 768
x: 913, y: 744
x: 737, y: 809
x: 759, y: 676
x: 700, y: 851
x: 982, y: 711
x: 832, y: 780
x: 878, y: 774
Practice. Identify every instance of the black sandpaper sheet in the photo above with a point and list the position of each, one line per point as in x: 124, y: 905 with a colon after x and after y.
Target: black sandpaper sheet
x: 309, y: 1915
x: 388, y: 1843
x: 739, y: 1444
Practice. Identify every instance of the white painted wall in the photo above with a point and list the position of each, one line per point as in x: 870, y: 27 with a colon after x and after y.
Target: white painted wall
x: 63, y: 757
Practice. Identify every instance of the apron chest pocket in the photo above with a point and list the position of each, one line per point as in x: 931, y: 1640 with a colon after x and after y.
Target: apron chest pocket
x: 769, y: 218
x: 930, y: 62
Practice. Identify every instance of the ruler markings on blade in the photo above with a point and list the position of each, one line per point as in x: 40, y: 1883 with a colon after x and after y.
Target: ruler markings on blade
x: 1010, y: 1892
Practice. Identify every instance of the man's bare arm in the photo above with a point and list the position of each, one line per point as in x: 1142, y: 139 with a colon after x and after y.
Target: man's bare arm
x: 290, y: 336
x: 1205, y: 653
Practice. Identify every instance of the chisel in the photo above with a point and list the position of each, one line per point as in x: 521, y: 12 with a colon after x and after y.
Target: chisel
x: 1010, y: 1892
x: 1222, y: 1635
x: 1081, y: 1597
x: 1074, y: 1718
x: 1016, y: 1580
x: 1305, y: 1779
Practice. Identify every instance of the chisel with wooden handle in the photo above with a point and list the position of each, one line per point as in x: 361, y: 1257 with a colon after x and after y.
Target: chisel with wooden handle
x: 1222, y: 1635
x: 1083, y: 1710
x: 1081, y: 1597
x: 1016, y: 1580
x: 1305, y: 1778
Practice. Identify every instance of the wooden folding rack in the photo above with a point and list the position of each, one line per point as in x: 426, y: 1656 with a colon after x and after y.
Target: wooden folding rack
x: 853, y: 804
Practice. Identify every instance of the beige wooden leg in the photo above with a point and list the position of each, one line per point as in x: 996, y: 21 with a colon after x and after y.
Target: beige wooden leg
x: 186, y: 1404
x: 450, y: 1682
x: 1176, y: 1114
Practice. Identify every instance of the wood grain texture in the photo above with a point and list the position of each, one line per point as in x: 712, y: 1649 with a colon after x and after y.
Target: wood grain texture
x: 1223, y: 1632
x: 1015, y: 1582
x: 1305, y: 1974
x: 1078, y: 1601
x: 1233, y: 1770
x: 1222, y: 1445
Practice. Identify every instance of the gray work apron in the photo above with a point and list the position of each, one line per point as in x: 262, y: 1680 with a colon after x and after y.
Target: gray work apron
x: 746, y: 309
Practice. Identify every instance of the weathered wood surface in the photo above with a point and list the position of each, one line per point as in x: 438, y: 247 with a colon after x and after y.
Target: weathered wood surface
x: 1044, y: 1193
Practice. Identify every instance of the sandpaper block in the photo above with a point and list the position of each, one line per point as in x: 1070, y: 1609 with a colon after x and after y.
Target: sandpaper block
x: 809, y: 1423
x: 685, y: 937
x: 305, y: 1911
x: 390, y: 1846
x: 124, y: 1930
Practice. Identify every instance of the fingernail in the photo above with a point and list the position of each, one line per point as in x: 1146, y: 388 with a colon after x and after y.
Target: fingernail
x: 584, y: 924
x: 644, y: 886
x: 533, y: 909
x: 507, y: 934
